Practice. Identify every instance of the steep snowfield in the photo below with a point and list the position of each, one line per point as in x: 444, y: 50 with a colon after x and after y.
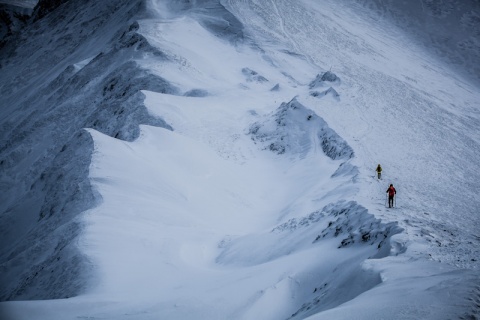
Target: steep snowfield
x: 233, y: 149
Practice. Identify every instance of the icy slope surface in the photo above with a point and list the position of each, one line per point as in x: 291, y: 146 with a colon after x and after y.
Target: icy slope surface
x: 255, y: 196
x: 449, y: 30
x: 399, y: 106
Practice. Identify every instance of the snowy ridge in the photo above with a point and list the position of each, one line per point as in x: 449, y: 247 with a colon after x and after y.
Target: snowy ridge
x: 46, y: 149
x: 295, y: 129
x: 155, y: 166
x: 349, y: 222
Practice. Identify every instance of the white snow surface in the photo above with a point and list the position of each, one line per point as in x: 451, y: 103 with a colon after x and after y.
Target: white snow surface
x: 262, y: 201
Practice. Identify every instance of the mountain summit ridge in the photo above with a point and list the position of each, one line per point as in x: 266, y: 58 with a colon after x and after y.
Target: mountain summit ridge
x: 137, y: 173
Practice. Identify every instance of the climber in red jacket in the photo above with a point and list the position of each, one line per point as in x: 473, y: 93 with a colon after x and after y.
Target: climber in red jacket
x: 391, y: 194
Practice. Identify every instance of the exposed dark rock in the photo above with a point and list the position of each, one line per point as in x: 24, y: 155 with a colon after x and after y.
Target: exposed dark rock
x: 44, y: 7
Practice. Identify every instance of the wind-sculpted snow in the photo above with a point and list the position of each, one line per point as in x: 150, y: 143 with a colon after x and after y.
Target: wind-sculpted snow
x: 292, y: 128
x: 104, y: 203
x: 342, y: 225
x: 348, y: 221
x: 45, y: 154
x: 346, y: 169
x: 353, y: 224
x: 43, y: 261
x: 212, y: 14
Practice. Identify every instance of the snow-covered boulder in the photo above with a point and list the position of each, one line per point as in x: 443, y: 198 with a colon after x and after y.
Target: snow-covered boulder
x: 294, y: 129
x: 320, y: 79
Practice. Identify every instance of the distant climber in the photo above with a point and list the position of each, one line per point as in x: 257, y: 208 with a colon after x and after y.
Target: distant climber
x: 379, y: 171
x: 391, y: 194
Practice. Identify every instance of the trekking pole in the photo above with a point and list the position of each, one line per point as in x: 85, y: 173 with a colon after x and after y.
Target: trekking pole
x: 386, y: 199
x: 395, y: 199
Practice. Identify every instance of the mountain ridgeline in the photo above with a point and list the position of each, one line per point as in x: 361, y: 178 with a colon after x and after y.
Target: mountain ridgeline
x: 81, y: 63
x: 76, y: 65
x: 80, y: 77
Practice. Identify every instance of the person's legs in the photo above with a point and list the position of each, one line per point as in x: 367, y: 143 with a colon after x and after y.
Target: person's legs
x: 390, y: 201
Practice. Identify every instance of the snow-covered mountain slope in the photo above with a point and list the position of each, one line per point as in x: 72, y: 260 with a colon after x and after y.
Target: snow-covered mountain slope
x: 448, y: 29
x: 215, y: 160
x: 12, y: 19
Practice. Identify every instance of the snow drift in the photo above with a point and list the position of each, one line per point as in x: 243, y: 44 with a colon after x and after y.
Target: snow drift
x: 172, y: 159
